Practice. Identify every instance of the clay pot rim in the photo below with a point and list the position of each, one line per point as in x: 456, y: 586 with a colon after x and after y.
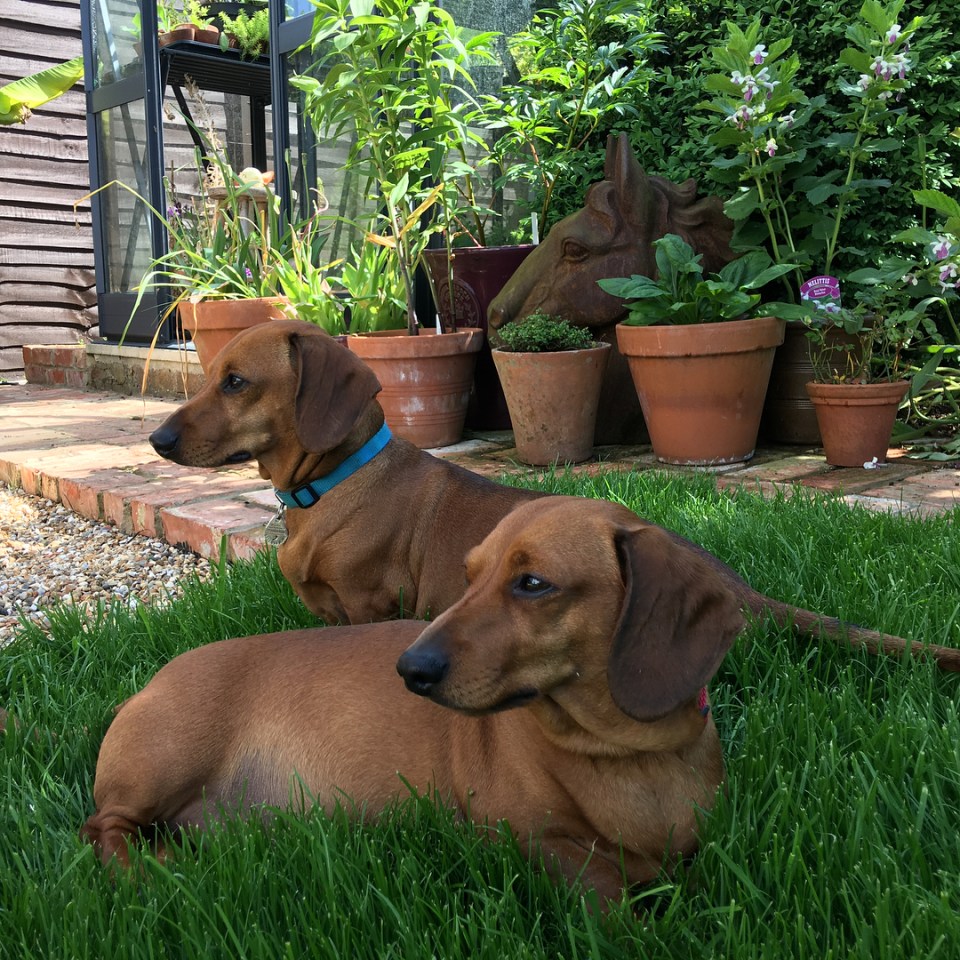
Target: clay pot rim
x: 727, y: 336
x: 599, y: 345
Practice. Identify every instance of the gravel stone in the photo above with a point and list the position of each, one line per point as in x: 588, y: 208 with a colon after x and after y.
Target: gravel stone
x: 49, y: 555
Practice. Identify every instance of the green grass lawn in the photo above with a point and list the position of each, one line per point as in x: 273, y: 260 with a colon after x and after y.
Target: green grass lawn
x: 837, y: 835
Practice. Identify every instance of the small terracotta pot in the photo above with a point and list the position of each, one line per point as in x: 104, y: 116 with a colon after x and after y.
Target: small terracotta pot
x: 212, y: 324
x: 701, y: 386
x: 856, y: 419
x: 183, y: 31
x: 552, y: 398
x: 426, y: 381
x: 209, y: 35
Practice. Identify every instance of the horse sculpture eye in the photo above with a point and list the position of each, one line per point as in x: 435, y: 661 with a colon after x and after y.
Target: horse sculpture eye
x: 574, y: 252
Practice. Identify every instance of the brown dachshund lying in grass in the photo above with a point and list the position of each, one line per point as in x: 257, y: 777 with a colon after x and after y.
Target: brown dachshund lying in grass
x: 564, y: 692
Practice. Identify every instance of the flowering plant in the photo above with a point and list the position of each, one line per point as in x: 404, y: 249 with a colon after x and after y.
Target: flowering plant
x: 803, y: 186
x: 888, y: 316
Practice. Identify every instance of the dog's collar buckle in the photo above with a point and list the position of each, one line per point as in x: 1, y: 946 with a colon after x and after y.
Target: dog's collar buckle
x: 308, y: 494
x: 275, y: 532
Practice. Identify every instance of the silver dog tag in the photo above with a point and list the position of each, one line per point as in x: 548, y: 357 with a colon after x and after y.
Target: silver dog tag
x: 275, y: 532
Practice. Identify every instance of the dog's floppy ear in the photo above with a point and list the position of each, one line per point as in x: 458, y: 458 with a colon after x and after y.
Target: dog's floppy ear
x: 334, y: 389
x: 677, y: 622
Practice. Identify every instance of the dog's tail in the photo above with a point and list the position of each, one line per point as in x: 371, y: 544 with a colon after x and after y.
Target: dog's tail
x: 806, y: 623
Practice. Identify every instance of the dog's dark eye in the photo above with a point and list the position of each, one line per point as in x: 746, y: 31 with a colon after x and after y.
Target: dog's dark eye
x: 528, y: 585
x: 232, y: 382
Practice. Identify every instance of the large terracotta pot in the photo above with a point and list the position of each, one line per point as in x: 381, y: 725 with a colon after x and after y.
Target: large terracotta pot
x: 701, y: 386
x: 856, y: 419
x: 552, y: 398
x: 426, y: 380
x: 212, y: 324
x: 479, y: 274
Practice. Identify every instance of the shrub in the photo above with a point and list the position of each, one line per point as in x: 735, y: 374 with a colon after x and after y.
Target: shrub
x: 542, y: 333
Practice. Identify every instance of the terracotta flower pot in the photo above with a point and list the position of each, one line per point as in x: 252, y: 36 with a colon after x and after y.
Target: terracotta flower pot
x: 209, y: 34
x: 702, y: 386
x: 856, y: 419
x: 553, y: 399
x: 426, y: 381
x: 212, y: 324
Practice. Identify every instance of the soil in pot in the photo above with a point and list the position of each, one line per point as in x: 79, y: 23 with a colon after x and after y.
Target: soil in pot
x: 702, y: 386
x: 552, y: 398
x: 426, y: 381
x: 856, y: 419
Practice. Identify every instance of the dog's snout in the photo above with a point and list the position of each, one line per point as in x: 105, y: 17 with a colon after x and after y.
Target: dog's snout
x: 164, y: 440
x: 422, y: 670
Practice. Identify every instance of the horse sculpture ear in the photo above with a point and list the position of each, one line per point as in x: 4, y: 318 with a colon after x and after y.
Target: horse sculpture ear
x: 631, y: 184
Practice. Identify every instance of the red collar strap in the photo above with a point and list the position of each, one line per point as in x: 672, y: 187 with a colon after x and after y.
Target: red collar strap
x: 703, y: 705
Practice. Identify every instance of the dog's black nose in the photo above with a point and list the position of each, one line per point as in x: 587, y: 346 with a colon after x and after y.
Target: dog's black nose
x: 164, y: 440
x: 422, y: 670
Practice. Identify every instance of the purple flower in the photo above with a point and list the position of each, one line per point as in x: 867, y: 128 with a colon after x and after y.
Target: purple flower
x: 248, y: 273
x: 894, y: 33
x: 940, y: 250
x: 758, y: 54
x: 771, y: 147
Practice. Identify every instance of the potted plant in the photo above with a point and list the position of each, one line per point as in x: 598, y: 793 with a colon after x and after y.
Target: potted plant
x: 795, y: 163
x: 858, y: 387
x: 551, y: 373
x: 249, y: 31
x: 197, y: 14
x: 700, y: 351
x: 231, y: 261
x: 391, y: 77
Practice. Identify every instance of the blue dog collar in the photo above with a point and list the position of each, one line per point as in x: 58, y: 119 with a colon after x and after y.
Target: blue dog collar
x: 309, y: 493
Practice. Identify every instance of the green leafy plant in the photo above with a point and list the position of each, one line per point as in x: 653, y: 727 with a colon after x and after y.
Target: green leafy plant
x: 542, y: 333
x: 369, y: 285
x: 681, y: 294
x: 197, y: 13
x: 393, y: 78
x: 251, y: 31
x: 19, y: 98
x: 581, y: 65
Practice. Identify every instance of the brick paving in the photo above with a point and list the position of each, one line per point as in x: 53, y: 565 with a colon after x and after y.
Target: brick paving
x: 90, y: 451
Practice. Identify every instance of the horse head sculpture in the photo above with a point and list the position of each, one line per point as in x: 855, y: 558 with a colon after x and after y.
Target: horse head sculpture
x: 612, y: 236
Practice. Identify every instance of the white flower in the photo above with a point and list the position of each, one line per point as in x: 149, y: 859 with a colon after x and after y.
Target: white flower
x: 865, y: 81
x: 759, y: 53
x: 771, y: 146
x: 894, y: 34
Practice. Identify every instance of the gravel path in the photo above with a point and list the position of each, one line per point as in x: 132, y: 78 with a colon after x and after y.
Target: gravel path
x: 48, y: 554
